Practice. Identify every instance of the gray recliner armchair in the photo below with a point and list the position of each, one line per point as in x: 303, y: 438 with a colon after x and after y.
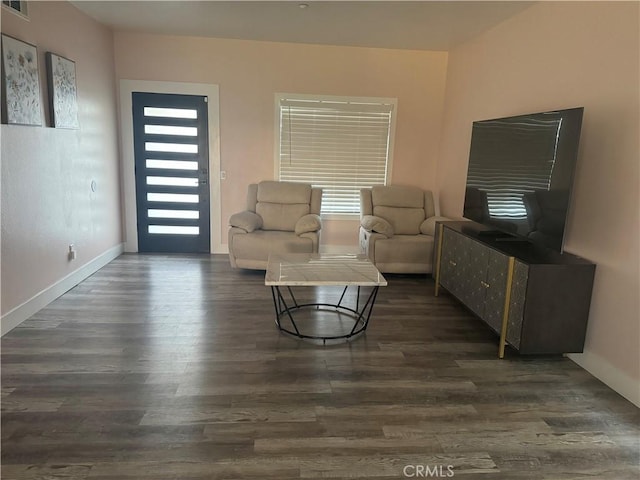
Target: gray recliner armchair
x: 281, y: 217
x: 397, y: 228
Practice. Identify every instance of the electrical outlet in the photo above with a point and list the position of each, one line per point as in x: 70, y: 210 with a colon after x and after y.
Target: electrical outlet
x: 71, y: 255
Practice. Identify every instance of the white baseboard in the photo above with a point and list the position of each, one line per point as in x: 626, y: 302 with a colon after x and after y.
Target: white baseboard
x: 618, y: 380
x: 15, y: 317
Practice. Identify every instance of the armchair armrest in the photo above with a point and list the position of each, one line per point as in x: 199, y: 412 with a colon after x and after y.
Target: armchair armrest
x: 428, y: 226
x: 308, y: 223
x: 247, y: 221
x: 371, y: 223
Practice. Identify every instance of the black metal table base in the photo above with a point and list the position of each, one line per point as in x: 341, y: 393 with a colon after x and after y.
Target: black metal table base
x: 360, y: 316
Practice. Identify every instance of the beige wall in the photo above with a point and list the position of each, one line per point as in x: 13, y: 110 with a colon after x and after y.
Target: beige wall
x: 47, y: 202
x: 556, y: 55
x: 249, y: 73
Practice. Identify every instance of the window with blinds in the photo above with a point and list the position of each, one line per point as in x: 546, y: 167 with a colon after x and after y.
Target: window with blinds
x: 338, y: 144
x: 16, y: 6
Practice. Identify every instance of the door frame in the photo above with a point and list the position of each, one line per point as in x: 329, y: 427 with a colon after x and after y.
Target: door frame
x: 128, y: 176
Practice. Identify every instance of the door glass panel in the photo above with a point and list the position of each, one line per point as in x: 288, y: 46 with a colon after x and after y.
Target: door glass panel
x: 173, y: 181
x: 172, y: 197
x: 174, y: 230
x: 171, y: 164
x: 171, y: 130
x: 170, y: 112
x: 171, y: 147
x: 157, y: 213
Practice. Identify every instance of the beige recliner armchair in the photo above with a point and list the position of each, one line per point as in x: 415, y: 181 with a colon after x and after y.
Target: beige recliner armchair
x: 281, y: 217
x: 397, y: 227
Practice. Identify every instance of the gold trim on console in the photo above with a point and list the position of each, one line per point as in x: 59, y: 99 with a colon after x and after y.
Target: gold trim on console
x: 507, y: 302
x: 438, y: 256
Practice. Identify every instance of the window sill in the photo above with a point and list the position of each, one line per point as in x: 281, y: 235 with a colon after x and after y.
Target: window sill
x: 341, y: 216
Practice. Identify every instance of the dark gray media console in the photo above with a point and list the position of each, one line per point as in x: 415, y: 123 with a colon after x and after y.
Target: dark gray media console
x: 536, y: 299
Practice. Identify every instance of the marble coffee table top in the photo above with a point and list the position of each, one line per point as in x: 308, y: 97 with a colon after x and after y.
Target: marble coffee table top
x: 313, y: 269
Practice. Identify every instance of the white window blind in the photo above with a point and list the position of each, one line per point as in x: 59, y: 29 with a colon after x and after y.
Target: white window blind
x: 338, y: 145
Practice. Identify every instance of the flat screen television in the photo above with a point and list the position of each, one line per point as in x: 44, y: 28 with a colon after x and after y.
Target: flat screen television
x: 520, y: 175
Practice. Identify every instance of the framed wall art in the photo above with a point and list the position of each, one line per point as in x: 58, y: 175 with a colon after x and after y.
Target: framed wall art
x: 20, y: 83
x: 61, y: 80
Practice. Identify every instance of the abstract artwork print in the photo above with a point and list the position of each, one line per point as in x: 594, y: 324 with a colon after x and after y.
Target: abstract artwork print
x: 20, y: 83
x: 61, y: 76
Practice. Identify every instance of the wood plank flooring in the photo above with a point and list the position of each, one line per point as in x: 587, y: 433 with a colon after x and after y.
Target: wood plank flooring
x: 171, y: 367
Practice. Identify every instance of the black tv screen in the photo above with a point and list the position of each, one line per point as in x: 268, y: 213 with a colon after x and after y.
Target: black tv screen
x: 521, y: 172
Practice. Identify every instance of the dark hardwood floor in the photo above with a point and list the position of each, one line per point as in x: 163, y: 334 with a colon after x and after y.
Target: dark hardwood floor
x: 171, y: 367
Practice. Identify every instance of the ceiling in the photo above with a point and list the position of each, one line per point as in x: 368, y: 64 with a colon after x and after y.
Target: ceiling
x: 419, y: 25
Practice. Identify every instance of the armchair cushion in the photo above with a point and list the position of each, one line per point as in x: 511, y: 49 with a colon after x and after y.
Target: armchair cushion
x: 281, y: 204
x: 281, y: 216
x: 371, y: 223
x: 283, y: 192
x: 247, y: 221
x: 397, y: 196
x: 308, y: 223
x: 428, y: 227
x: 404, y: 220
